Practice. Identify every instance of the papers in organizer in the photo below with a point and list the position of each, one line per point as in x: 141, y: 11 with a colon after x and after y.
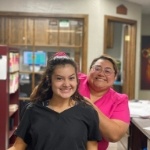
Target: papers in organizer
x: 139, y: 108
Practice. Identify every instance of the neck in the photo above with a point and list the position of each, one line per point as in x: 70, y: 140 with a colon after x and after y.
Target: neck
x: 59, y: 102
x: 95, y: 95
x: 60, y: 105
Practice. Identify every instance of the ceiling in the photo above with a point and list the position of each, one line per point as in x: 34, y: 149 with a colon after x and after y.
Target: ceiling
x: 144, y: 3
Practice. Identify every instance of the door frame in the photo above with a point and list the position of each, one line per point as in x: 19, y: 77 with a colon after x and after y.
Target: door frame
x: 129, y: 57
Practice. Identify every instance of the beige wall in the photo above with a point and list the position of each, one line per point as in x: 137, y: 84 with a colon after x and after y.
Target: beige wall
x: 96, y: 9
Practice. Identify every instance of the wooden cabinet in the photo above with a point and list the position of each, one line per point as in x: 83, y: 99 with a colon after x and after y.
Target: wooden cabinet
x: 38, y: 37
x: 48, y: 36
x: 148, y: 144
x: 138, y: 135
x: 9, y: 91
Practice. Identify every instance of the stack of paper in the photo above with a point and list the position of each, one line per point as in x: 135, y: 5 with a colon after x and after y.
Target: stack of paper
x: 139, y: 108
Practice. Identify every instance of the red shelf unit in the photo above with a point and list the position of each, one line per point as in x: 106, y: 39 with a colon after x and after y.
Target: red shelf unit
x: 9, y: 94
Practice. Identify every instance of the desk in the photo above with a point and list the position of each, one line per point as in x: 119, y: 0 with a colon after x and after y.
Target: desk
x: 139, y: 138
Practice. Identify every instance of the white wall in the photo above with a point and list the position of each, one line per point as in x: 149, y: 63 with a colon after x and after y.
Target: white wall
x: 145, y: 25
x: 96, y: 9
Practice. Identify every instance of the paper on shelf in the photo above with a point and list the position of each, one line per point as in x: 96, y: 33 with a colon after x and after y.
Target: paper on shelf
x: 13, y: 107
x: 3, y: 66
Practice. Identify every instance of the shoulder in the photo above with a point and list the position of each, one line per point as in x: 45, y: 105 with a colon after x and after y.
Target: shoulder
x: 29, y: 106
x: 87, y: 109
x: 27, y: 109
x: 90, y: 116
x: 82, y: 82
x: 119, y: 96
x: 82, y: 75
x: 119, y: 103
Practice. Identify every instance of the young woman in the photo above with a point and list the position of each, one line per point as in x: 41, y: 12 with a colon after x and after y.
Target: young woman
x: 58, y: 118
x: 112, y: 107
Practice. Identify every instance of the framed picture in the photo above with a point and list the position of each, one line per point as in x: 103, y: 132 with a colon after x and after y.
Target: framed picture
x: 145, y: 63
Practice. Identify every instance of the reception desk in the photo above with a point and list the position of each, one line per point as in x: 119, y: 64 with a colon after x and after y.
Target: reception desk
x: 139, y: 134
x: 137, y: 137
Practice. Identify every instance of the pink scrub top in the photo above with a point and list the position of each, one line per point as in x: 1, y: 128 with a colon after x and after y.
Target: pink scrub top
x: 113, y: 104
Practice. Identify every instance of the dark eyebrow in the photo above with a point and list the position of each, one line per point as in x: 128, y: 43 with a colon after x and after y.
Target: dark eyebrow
x: 62, y: 76
x: 104, y: 68
x: 73, y: 74
x: 108, y: 68
x: 97, y: 65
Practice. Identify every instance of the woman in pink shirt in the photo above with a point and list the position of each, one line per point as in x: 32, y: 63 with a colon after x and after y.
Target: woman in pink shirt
x: 112, y: 106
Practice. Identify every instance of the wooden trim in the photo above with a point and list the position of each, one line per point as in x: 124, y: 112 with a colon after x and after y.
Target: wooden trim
x: 120, y: 20
x: 85, y: 45
x: 105, y: 33
x: 110, y: 34
x: 43, y: 15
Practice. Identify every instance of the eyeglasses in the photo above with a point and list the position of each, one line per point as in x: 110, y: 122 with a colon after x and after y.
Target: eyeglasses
x: 106, y: 71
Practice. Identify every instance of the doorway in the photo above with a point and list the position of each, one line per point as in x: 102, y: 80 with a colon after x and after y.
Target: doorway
x: 127, y: 50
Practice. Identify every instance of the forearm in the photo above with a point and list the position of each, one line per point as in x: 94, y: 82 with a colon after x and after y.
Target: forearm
x: 111, y: 129
x: 12, y: 148
x: 92, y: 145
x: 18, y: 145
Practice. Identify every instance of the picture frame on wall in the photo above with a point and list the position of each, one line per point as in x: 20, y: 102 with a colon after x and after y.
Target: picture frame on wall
x: 145, y: 63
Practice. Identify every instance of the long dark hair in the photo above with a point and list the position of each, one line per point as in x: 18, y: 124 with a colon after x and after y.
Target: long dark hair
x: 43, y: 90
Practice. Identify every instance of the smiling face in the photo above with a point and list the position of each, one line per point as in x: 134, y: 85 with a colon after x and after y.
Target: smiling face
x: 64, y: 81
x: 102, y: 76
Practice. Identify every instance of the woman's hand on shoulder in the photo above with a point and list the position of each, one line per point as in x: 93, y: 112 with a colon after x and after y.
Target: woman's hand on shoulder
x: 89, y: 101
x: 111, y: 129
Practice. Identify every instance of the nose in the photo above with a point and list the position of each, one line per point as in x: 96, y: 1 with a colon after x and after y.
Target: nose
x: 66, y: 83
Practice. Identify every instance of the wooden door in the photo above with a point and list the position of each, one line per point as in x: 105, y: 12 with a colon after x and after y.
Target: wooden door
x: 129, y: 61
x: 129, y: 51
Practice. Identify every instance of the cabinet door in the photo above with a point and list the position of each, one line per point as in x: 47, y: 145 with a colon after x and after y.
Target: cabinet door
x: 4, y: 28
x: 20, y: 31
x: 45, y: 33
x: 16, y: 31
x: 70, y: 32
x: 53, y: 32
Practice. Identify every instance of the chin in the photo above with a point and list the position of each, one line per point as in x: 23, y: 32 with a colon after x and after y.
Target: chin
x: 66, y: 96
